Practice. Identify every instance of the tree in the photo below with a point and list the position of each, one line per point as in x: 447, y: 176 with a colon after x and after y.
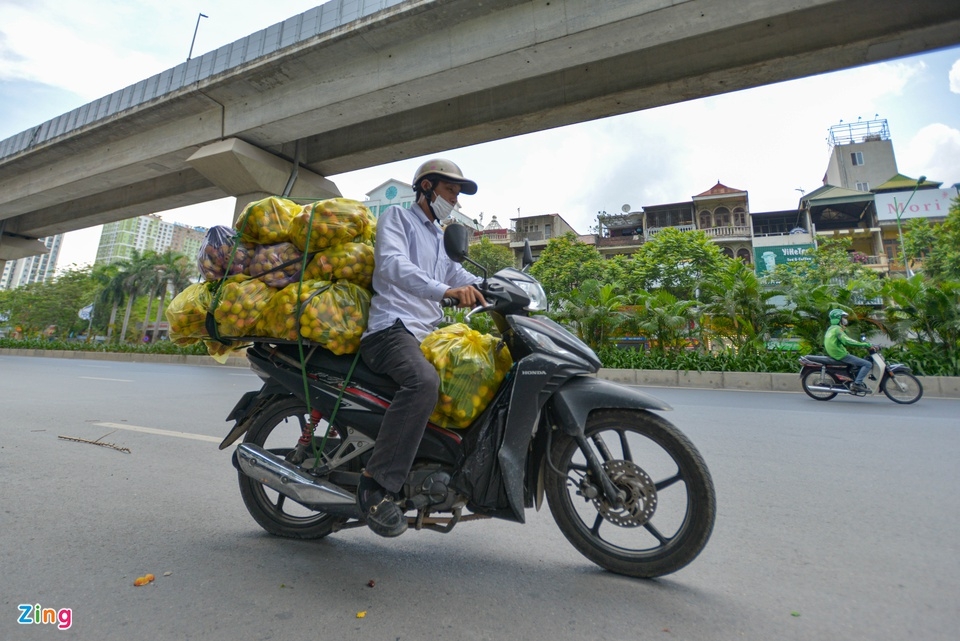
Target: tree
x: 663, y: 318
x: 927, y: 309
x: 492, y: 257
x: 54, y: 304
x: 138, y: 271
x: 940, y: 244
x: 594, y: 311
x: 565, y: 264
x: 676, y: 261
x: 737, y: 306
x: 177, y: 273
x: 831, y: 279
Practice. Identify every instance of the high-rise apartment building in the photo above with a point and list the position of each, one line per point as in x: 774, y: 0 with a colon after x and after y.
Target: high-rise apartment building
x: 146, y: 233
x: 32, y: 269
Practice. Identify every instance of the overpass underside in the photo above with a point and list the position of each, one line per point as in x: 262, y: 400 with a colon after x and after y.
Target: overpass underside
x: 429, y: 75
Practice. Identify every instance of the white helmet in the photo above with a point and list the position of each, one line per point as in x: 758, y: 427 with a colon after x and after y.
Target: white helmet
x: 444, y: 170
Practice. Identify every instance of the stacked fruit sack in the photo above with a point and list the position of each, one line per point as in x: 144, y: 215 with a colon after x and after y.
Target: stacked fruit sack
x: 255, y: 283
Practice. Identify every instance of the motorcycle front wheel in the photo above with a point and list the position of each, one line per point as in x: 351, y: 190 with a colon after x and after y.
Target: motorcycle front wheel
x: 670, y: 505
x: 813, y: 378
x: 903, y: 388
x: 277, y: 430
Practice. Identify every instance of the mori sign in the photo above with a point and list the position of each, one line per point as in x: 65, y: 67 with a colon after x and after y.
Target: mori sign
x: 926, y: 203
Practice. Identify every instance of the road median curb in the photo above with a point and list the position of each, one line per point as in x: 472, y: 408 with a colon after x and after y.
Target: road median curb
x: 933, y: 386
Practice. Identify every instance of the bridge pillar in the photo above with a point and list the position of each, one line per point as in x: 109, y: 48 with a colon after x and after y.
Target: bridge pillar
x: 250, y: 173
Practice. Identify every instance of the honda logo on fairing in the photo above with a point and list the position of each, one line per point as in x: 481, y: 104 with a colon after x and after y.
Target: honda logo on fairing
x: 539, y: 372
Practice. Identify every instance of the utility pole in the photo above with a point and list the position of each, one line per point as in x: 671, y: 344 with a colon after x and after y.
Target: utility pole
x: 903, y: 249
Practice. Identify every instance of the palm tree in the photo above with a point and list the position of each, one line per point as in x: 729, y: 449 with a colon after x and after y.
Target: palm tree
x: 737, y: 306
x: 105, y: 276
x: 137, y: 270
x: 594, y: 311
x: 929, y: 310
x: 664, y: 319
x: 177, y: 274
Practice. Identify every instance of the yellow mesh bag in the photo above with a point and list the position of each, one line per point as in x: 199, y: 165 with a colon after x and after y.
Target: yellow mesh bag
x: 471, y: 366
x: 187, y: 314
x: 265, y: 222
x: 242, y: 300
x: 352, y: 262
x: 334, y: 315
x: 335, y: 221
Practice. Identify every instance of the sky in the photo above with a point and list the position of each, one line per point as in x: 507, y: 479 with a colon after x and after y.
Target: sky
x: 771, y: 141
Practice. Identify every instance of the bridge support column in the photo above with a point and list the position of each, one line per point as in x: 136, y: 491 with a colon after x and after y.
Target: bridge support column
x: 250, y: 173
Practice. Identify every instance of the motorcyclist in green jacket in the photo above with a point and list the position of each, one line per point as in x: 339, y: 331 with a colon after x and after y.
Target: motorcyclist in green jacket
x: 836, y: 341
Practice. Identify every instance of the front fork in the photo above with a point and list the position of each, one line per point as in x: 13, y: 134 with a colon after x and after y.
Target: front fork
x: 614, y: 496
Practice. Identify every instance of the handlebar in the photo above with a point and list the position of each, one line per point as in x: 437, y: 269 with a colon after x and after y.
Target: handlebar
x: 449, y: 301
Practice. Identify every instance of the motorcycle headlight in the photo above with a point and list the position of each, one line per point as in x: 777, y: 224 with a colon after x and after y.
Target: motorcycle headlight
x: 534, y: 291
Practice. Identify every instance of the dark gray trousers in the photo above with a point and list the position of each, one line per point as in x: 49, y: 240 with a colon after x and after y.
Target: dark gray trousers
x: 394, y: 352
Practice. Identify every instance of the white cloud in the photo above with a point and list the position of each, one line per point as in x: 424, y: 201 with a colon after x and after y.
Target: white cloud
x: 933, y: 152
x: 955, y: 77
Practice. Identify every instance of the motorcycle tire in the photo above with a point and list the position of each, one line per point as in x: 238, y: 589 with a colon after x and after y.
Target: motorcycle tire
x: 277, y: 429
x: 813, y: 378
x: 670, y: 508
x: 911, y: 392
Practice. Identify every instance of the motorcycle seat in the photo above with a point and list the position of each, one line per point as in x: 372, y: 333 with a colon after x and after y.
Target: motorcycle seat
x: 825, y: 360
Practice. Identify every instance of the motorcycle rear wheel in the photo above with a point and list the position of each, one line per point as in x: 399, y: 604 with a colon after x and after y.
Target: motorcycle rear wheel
x: 911, y: 392
x: 276, y: 430
x: 813, y: 378
x: 671, y: 504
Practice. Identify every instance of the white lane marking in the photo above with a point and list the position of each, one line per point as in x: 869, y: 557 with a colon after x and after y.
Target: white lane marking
x: 116, y: 380
x: 159, y: 432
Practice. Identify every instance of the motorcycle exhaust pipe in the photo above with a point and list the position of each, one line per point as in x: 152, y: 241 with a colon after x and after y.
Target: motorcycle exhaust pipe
x: 286, y: 478
x: 820, y: 388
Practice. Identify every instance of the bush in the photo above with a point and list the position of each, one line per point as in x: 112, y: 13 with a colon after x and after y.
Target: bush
x: 160, y: 347
x: 694, y: 360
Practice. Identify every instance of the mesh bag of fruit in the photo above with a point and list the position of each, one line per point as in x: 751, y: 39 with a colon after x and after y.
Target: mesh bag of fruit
x: 335, y: 315
x: 279, y: 318
x: 276, y: 265
x: 241, y: 303
x: 349, y: 261
x: 265, y: 222
x: 328, y: 222
x: 217, y: 251
x: 471, y: 366
x: 187, y: 314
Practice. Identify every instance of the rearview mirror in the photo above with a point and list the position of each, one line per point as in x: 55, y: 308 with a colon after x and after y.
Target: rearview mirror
x: 456, y: 241
x: 527, y: 259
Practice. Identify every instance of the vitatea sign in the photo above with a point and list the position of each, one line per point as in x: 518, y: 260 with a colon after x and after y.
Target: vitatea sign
x: 769, y: 257
x: 925, y: 203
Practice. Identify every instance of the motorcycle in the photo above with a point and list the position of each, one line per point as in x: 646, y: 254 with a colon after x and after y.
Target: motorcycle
x: 823, y: 377
x: 627, y: 489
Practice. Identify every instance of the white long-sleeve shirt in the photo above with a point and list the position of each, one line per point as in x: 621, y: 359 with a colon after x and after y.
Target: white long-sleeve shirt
x: 411, y: 272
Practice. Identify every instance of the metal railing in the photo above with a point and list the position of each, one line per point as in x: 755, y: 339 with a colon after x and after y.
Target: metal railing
x: 727, y: 232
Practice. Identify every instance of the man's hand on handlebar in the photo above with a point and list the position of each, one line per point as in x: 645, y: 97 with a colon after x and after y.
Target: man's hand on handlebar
x: 469, y: 296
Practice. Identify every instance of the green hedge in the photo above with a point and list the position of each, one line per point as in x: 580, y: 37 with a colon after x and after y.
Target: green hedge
x: 160, y: 347
x: 923, y: 360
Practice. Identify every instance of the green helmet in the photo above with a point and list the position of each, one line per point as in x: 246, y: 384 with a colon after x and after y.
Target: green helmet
x: 836, y: 315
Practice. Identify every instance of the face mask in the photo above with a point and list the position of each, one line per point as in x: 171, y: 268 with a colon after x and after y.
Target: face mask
x: 442, y: 209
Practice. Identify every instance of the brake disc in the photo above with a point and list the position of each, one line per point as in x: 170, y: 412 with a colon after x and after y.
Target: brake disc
x: 641, y: 495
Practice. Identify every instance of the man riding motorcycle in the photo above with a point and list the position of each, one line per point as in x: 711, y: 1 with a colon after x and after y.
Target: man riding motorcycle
x: 836, y: 341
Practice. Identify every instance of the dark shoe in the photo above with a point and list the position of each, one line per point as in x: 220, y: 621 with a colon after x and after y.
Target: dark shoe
x: 859, y: 387
x: 383, y: 516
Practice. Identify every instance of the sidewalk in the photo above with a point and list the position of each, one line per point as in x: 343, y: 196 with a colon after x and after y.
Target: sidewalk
x: 933, y: 386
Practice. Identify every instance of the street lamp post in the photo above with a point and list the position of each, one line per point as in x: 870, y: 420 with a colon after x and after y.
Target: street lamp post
x: 903, y: 249
x: 190, y: 55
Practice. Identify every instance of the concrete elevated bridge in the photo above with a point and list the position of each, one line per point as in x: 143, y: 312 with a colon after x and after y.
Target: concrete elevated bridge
x: 358, y: 83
